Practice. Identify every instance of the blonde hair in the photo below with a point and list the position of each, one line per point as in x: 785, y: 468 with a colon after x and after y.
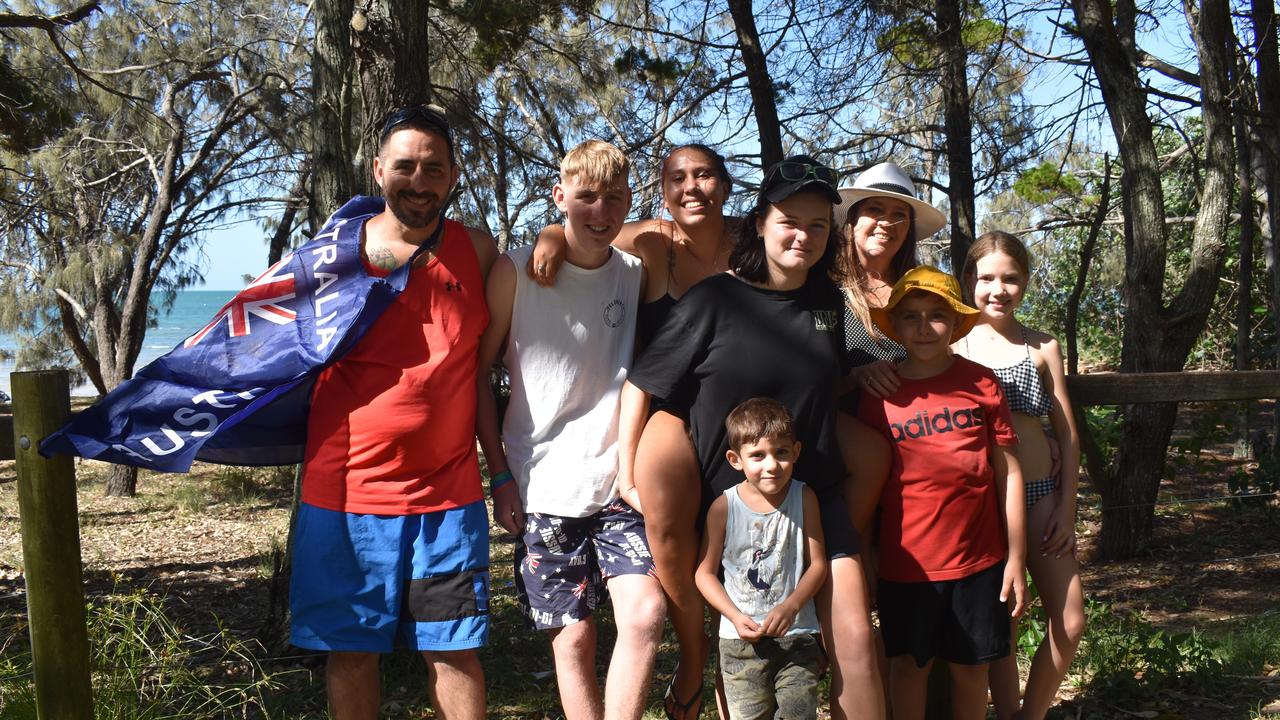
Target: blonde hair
x: 595, y: 163
x: 996, y: 241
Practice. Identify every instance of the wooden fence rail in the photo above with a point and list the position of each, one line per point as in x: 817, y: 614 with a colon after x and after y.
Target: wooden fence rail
x: 1134, y: 388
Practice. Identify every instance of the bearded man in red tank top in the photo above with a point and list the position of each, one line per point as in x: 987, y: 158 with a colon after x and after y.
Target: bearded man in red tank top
x: 392, y: 537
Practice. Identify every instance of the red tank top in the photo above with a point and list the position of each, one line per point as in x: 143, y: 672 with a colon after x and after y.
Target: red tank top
x: 392, y: 424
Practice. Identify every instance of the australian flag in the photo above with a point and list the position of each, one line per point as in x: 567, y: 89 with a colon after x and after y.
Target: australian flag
x: 238, y: 390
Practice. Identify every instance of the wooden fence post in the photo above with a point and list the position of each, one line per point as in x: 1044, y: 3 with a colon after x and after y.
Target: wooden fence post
x: 51, y: 549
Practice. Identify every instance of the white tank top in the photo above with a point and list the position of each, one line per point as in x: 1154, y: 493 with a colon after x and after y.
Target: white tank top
x: 568, y: 353
x: 764, y: 559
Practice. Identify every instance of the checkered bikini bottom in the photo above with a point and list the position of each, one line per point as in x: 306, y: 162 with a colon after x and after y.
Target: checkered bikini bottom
x: 1037, y: 489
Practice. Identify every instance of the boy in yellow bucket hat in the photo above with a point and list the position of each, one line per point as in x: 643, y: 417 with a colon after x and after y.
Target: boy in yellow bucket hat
x: 952, y: 518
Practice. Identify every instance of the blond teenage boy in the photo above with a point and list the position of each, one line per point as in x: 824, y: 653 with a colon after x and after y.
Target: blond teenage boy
x: 568, y: 349
x: 952, y: 513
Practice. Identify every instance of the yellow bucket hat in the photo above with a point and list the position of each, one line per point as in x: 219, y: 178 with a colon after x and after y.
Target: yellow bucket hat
x: 931, y: 280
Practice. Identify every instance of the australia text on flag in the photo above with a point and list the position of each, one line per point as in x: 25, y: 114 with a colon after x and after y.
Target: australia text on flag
x: 261, y: 298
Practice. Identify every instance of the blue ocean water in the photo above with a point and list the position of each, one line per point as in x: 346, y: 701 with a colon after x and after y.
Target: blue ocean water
x: 191, y: 310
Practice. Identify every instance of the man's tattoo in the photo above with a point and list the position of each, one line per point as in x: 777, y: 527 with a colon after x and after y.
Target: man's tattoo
x: 383, y: 259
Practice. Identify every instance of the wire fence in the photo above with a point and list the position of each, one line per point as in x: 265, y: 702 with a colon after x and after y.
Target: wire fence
x: 1186, y: 501
x: 135, y: 669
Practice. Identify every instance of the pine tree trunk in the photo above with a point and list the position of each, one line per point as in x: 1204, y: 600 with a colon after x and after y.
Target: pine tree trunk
x: 122, y: 481
x: 1243, y: 449
x: 331, y: 181
x: 1129, y: 490
x: 390, y: 53
x: 1265, y: 131
x: 1157, y: 338
x: 955, y: 97
x: 762, y: 97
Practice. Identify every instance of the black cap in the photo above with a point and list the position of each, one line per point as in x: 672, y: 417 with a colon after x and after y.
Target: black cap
x: 796, y: 173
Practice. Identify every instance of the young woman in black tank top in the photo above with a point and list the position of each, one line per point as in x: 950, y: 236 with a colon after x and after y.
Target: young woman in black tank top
x: 677, y: 254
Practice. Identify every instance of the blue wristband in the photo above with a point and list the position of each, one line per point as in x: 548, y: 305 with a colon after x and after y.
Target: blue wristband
x: 499, y: 480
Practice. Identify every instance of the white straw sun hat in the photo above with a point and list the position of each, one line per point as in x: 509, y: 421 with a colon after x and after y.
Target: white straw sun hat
x: 888, y: 180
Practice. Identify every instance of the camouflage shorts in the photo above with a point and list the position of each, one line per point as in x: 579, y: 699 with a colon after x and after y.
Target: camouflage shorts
x: 773, y: 678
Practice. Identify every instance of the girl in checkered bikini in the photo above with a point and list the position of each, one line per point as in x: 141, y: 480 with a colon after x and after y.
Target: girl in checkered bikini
x: 1028, y: 364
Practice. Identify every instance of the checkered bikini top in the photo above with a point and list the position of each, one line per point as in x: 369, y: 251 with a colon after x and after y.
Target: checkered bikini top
x: 862, y: 349
x: 1023, y: 388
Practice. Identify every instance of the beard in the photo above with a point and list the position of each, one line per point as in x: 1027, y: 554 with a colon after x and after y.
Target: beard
x: 414, y: 217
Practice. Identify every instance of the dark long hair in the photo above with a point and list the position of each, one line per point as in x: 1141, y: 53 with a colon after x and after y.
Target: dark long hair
x: 748, y: 260
x: 717, y: 161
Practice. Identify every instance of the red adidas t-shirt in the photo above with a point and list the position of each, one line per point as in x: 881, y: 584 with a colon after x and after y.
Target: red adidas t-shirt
x: 939, y: 514
x: 392, y: 424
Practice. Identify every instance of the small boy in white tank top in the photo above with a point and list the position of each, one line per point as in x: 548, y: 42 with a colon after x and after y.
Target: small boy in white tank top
x: 554, y: 466
x: 767, y: 533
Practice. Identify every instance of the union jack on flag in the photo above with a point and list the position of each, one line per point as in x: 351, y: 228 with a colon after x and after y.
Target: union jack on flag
x: 261, y: 297
x: 533, y: 560
x: 580, y: 588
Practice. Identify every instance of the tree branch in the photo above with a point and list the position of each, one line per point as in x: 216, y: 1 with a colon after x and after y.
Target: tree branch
x: 49, y: 23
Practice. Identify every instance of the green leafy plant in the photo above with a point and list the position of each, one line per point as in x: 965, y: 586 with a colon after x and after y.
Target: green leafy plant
x: 1123, y: 652
x: 1256, y: 487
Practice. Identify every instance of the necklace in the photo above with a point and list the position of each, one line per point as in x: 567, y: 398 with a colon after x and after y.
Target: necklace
x: 877, y: 288
x: 706, y: 268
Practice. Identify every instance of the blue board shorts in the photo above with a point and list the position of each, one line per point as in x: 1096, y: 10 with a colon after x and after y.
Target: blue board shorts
x: 365, y: 583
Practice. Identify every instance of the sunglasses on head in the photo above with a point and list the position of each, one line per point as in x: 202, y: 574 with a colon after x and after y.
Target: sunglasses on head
x: 430, y: 116
x: 793, y: 171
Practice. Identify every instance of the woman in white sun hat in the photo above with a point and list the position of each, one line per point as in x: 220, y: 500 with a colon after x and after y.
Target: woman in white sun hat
x: 885, y: 220
x: 883, y: 223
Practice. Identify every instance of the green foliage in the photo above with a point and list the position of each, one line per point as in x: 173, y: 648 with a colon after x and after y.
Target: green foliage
x: 1211, y: 425
x: 1068, y: 190
x: 174, y: 129
x: 1046, y: 182
x: 913, y: 39
x: 982, y: 33
x: 1263, y: 480
x: 502, y: 28
x: 1033, y: 625
x: 28, y: 116
x: 637, y: 61
x: 192, y: 499
x: 911, y: 42
x: 1104, y: 426
x: 145, y: 667
x: 1122, y: 651
x: 1123, y: 657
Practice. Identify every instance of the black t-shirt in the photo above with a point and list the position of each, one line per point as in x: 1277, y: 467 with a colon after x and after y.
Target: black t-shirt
x: 727, y: 341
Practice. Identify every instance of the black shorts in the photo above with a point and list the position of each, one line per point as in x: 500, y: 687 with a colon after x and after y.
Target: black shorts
x: 838, y: 533
x: 961, y: 621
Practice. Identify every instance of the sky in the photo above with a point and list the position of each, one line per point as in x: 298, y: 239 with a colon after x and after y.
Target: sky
x: 234, y: 251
